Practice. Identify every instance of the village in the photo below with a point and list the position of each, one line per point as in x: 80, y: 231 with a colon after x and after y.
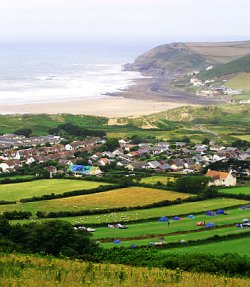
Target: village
x: 89, y: 157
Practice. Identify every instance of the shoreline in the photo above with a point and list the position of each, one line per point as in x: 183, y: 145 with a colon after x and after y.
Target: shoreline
x: 111, y: 107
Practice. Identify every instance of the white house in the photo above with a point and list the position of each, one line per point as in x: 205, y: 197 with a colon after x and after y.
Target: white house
x: 221, y: 178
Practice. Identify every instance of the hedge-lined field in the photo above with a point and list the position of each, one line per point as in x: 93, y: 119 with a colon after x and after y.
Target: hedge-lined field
x: 235, y: 215
x: 17, y: 191
x: 147, y: 214
x: 207, y: 233
x: 123, y: 197
x: 31, y: 271
x: 236, y: 190
x: 155, y: 179
x: 240, y: 246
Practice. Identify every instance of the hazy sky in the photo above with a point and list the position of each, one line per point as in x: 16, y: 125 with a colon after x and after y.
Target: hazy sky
x: 38, y: 20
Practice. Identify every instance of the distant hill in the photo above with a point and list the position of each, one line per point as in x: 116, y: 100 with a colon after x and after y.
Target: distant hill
x: 237, y: 66
x: 179, y: 58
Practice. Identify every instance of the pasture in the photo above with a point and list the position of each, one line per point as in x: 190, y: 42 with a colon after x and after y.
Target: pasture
x: 241, y: 246
x: 206, y: 233
x: 17, y: 191
x: 124, y: 197
x: 236, y: 190
x: 157, y: 178
x: 144, y: 214
x: 186, y: 224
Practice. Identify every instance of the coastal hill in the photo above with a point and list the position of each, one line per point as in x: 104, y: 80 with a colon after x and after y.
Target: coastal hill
x: 179, y: 58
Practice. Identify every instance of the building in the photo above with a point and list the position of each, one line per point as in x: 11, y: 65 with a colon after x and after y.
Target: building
x: 221, y: 178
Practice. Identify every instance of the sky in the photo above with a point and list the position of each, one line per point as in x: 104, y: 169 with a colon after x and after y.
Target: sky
x: 169, y: 20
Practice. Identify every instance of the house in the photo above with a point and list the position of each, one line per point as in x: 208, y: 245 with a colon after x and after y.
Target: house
x: 104, y: 161
x: 221, y: 178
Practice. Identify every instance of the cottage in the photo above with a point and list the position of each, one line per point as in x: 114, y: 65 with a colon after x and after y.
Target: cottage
x: 221, y: 178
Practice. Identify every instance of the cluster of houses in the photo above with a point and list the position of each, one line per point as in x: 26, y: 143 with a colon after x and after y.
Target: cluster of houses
x: 208, y: 89
x: 159, y: 157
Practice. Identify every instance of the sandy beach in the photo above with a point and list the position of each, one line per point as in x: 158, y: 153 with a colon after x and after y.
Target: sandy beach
x: 111, y: 107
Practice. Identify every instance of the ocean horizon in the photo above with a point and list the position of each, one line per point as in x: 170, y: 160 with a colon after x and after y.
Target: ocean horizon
x: 42, y: 73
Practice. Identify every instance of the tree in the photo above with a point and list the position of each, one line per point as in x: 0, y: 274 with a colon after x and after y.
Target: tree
x: 192, y: 184
x: 24, y: 132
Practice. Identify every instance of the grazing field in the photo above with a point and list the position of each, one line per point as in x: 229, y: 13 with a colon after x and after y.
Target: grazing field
x: 207, y: 233
x: 31, y: 271
x: 235, y: 215
x: 155, y: 179
x: 146, y: 214
x: 124, y: 197
x: 241, y: 82
x: 17, y: 191
x: 237, y: 190
x: 241, y: 246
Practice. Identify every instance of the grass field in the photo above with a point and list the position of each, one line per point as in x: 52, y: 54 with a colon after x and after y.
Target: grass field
x: 176, y: 238
x: 156, y: 179
x: 185, y: 208
x: 155, y: 227
x: 237, y: 190
x: 31, y: 271
x: 17, y: 191
x: 125, y: 197
x: 241, y: 246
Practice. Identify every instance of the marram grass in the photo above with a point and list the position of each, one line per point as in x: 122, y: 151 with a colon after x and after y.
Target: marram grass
x: 31, y: 271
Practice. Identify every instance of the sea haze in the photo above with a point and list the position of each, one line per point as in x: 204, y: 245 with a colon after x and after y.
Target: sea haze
x: 41, y: 73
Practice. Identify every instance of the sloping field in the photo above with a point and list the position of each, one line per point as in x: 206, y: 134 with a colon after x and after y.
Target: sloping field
x: 221, y: 52
x: 125, y: 197
x: 185, y: 208
x: 17, y: 191
x: 50, y: 272
x: 241, y: 82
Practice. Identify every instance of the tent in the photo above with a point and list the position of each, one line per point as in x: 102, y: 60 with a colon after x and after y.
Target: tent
x: 191, y: 216
x: 117, y: 241
x: 245, y: 220
x: 220, y: 211
x: 163, y: 219
x: 177, y: 218
x: 133, y: 245
x: 210, y: 224
x: 210, y: 213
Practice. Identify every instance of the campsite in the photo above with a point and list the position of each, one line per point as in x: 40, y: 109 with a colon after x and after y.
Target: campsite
x: 141, y: 216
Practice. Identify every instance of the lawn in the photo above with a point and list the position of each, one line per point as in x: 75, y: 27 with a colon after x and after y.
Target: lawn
x: 17, y: 191
x: 185, y: 208
x: 237, y: 190
x: 240, y: 246
x: 125, y: 197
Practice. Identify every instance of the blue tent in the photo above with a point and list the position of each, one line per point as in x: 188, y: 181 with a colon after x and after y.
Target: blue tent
x: 191, y: 216
x: 210, y: 224
x: 245, y: 220
x: 176, y: 218
x: 117, y: 241
x: 133, y: 246
x: 210, y: 213
x: 76, y: 167
x: 163, y: 219
x: 220, y: 211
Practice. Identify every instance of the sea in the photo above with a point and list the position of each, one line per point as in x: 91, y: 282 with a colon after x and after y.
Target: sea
x: 55, y: 72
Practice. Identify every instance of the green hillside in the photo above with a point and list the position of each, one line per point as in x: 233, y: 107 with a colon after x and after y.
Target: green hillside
x: 237, y: 66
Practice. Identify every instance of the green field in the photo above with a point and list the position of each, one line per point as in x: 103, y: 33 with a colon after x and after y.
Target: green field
x: 185, y: 208
x: 17, y: 191
x: 157, y: 178
x: 241, y: 246
x: 124, y: 197
x: 237, y: 190
x: 207, y: 233
x: 155, y: 227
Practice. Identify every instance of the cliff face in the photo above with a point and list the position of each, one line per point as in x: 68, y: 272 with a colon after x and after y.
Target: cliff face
x: 180, y: 58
